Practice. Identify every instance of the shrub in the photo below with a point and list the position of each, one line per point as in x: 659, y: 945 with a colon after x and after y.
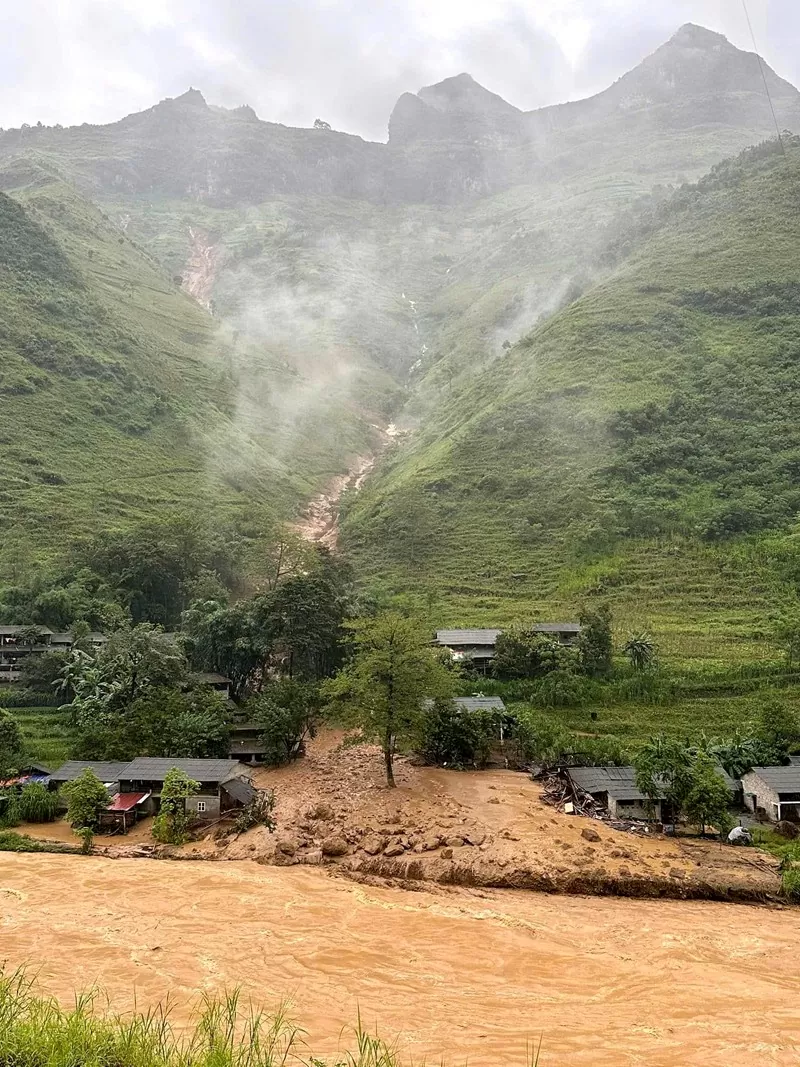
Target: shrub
x: 563, y: 689
x: 790, y: 884
x: 453, y: 737
x: 171, y: 825
x: 37, y: 804
x: 542, y: 740
x: 86, y: 797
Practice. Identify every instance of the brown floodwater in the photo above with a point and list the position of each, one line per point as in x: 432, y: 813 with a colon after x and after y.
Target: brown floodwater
x: 462, y: 974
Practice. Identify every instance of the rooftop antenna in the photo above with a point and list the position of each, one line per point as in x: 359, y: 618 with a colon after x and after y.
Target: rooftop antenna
x: 764, y: 77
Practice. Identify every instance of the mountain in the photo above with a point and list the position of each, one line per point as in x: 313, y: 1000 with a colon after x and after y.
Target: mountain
x: 640, y: 446
x: 352, y: 284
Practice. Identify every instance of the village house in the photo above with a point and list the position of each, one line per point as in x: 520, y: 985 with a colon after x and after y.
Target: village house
x: 224, y: 784
x: 478, y: 646
x: 19, y: 642
x: 106, y: 770
x: 773, y: 790
x: 616, y: 789
x: 218, y: 682
x: 245, y: 743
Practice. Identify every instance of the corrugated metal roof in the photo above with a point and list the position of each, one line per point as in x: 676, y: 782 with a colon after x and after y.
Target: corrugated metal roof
x: 480, y: 703
x: 781, y: 779
x: 467, y: 637
x: 240, y: 789
x: 105, y: 771
x: 149, y: 769
x: 126, y: 801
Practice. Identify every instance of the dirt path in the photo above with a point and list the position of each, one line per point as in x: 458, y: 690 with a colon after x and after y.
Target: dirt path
x: 200, y: 270
x: 469, y: 975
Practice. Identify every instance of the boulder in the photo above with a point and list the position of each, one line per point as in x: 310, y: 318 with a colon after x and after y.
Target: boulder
x: 287, y: 846
x: 789, y: 830
x: 372, y: 845
x: 431, y: 841
x: 624, y: 872
x: 334, y: 846
x: 447, y: 853
x: 454, y: 842
x: 493, y: 800
x: 588, y: 834
x: 475, y: 837
x: 313, y: 857
x: 676, y: 872
x: 394, y: 848
x: 320, y: 811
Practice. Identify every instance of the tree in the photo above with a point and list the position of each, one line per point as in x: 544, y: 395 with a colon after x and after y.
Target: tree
x: 640, y: 650
x: 521, y: 652
x: 231, y: 640
x: 140, y: 658
x: 287, y: 713
x: 171, y: 824
x: 86, y: 797
x: 708, y: 799
x: 595, y: 641
x: 11, y: 747
x: 320, y: 124
x: 392, y: 674
x: 664, y: 770
x: 456, y: 738
x: 304, y: 617
x: 775, y: 726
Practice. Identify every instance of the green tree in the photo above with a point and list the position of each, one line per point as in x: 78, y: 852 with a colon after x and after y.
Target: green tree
x: 231, y: 640
x: 171, y: 825
x: 708, y: 799
x: 384, y: 687
x: 11, y: 746
x: 595, y: 641
x: 86, y: 797
x: 522, y: 653
x: 664, y: 768
x: 287, y: 712
x: 775, y: 726
x: 141, y: 658
x: 640, y: 650
x: 456, y: 738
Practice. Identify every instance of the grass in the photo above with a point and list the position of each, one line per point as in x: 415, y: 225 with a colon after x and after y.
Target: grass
x: 46, y: 734
x: 11, y: 841
x: 225, y: 1032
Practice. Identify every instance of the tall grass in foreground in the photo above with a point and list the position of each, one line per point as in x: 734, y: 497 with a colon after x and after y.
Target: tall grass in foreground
x: 35, y: 1031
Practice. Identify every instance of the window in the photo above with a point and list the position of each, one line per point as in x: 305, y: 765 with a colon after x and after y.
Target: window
x: 201, y: 806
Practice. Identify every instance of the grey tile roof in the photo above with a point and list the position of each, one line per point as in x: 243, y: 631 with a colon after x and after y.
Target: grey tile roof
x: 557, y: 627
x: 150, y: 769
x: 240, y: 789
x: 10, y: 631
x: 480, y: 703
x: 781, y: 779
x: 467, y: 637
x: 72, y: 769
x: 618, y: 782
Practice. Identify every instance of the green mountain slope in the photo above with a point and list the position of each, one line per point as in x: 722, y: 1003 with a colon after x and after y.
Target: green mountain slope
x: 621, y: 447
x: 121, y: 397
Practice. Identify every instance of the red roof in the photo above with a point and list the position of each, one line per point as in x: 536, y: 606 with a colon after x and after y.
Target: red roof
x: 126, y: 801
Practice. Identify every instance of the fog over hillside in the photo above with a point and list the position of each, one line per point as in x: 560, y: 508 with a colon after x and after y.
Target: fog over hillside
x: 346, y: 285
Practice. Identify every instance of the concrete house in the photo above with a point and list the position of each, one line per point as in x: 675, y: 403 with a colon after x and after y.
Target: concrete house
x: 224, y: 784
x: 478, y: 646
x: 615, y: 788
x: 245, y: 742
x: 773, y: 790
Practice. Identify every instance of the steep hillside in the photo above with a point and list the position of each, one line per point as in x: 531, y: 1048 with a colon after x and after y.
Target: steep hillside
x: 350, y: 284
x: 122, y: 397
x: 641, y: 445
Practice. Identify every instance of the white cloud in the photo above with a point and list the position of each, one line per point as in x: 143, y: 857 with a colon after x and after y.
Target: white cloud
x: 72, y: 61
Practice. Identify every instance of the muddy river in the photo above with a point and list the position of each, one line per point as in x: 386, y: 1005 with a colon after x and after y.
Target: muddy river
x: 471, y: 975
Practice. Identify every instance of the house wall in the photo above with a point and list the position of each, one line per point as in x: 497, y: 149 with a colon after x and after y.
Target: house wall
x: 633, y: 809
x: 196, y: 804
x: 765, y: 797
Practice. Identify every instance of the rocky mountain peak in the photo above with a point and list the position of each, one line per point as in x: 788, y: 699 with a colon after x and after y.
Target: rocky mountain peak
x: 464, y: 95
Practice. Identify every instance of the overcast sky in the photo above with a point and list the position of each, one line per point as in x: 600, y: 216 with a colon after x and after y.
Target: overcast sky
x: 346, y: 61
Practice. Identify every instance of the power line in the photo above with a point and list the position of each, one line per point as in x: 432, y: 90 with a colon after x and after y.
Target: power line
x: 764, y: 77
